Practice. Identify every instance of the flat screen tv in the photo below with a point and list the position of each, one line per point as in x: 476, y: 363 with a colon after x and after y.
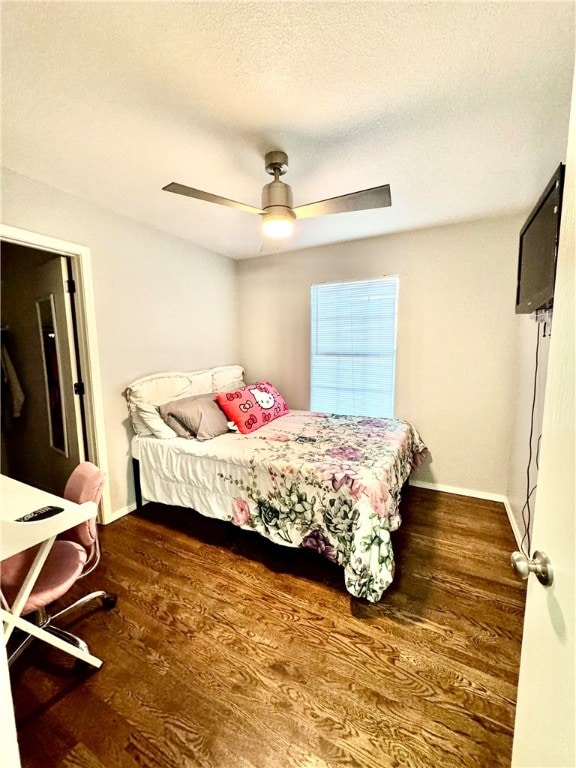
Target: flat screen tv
x: 538, y: 249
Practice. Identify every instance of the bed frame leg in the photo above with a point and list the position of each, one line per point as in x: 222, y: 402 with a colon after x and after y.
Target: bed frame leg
x: 137, y: 487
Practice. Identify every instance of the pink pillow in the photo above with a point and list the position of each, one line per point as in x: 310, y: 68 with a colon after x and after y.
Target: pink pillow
x: 253, y: 406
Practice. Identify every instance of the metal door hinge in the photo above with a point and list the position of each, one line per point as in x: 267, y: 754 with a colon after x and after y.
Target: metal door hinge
x: 79, y: 388
x: 70, y: 286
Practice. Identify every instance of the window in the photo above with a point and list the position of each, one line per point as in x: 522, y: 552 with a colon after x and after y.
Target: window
x: 353, y: 340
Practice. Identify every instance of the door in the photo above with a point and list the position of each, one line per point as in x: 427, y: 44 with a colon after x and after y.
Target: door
x: 545, y: 729
x: 60, y: 367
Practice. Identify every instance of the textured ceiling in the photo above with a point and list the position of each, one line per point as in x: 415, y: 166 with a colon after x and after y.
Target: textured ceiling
x: 461, y: 107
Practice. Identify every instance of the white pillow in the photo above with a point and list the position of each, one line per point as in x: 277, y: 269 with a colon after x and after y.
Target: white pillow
x: 227, y: 377
x: 146, y: 394
x: 147, y: 421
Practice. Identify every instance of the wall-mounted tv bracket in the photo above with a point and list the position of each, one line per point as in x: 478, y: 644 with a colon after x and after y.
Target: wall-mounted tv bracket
x: 540, y: 565
x: 544, y: 316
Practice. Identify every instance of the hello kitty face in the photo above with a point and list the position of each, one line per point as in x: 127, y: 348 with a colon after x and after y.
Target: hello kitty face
x: 264, y: 399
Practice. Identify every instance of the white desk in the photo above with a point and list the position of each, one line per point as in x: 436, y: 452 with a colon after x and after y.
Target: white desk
x: 17, y: 500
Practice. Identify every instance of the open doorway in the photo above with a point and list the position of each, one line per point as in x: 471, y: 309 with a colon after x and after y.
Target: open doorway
x: 49, y: 339
x: 43, y: 415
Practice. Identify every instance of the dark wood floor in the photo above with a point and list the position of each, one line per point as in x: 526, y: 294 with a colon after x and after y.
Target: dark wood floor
x: 227, y: 652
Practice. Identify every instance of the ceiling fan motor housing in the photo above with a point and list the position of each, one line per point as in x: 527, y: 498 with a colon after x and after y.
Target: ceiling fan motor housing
x: 277, y: 198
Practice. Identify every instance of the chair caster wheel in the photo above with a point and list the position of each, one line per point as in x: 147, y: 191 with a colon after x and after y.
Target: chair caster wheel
x: 109, y: 601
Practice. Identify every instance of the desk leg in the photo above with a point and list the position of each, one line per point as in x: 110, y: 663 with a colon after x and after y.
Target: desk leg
x: 41, y: 634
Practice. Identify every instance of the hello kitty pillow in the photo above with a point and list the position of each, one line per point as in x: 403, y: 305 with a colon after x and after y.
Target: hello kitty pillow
x: 253, y: 406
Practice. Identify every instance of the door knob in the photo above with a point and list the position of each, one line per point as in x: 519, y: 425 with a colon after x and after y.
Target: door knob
x: 540, y: 565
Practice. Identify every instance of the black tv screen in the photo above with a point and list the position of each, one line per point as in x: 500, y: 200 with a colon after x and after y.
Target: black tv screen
x: 538, y: 248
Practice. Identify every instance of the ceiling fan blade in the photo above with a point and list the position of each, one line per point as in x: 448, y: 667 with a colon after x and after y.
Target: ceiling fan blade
x: 376, y: 197
x: 181, y: 189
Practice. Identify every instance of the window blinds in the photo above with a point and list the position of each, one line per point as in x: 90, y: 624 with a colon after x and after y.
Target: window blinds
x: 353, y: 347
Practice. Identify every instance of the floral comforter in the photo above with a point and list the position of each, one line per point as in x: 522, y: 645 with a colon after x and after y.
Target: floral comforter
x: 324, y: 482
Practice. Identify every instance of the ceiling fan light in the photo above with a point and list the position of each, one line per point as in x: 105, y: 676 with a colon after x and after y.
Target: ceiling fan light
x: 278, y: 224
x: 277, y: 227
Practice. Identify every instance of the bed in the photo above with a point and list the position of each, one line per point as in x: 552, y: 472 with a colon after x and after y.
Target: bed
x: 301, y: 479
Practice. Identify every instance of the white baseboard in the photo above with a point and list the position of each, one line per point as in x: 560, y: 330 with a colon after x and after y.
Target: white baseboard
x: 116, y: 514
x: 518, y: 535
x: 459, y: 491
x: 476, y: 495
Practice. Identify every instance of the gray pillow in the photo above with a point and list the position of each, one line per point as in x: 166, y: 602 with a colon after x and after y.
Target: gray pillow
x: 198, y: 416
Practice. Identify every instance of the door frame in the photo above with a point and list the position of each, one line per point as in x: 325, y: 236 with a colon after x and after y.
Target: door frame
x: 87, y: 341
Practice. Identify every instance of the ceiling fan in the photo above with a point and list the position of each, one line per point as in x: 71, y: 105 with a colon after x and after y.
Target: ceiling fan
x: 278, y: 213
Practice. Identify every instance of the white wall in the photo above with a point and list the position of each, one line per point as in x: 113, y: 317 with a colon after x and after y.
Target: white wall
x: 456, y: 336
x: 525, y: 370
x: 161, y: 303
